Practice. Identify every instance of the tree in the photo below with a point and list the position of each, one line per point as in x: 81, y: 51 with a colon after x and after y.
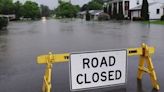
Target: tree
x: 99, y: 1
x: 45, y: 11
x: 6, y: 7
x: 93, y: 5
x: 31, y: 10
x: 145, y: 10
x: 84, y: 7
x: 77, y: 7
x: 18, y: 9
x: 0, y: 6
x: 67, y: 10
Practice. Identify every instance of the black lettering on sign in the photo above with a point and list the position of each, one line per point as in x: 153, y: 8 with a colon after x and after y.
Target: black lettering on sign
x: 103, y: 62
x: 133, y: 51
x: 94, y: 62
x: 77, y: 78
x: 95, y: 77
x: 86, y: 81
x: 118, y: 74
x: 103, y: 75
x: 86, y: 63
x: 110, y: 74
x: 112, y: 60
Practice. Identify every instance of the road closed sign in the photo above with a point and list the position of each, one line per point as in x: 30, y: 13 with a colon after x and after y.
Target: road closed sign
x: 97, y: 69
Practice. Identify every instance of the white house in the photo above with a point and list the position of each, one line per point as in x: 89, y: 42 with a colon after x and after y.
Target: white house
x: 93, y: 14
x: 156, y: 10
x: 125, y: 4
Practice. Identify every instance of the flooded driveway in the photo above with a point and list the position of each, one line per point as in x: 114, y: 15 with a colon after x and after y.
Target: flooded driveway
x: 22, y: 42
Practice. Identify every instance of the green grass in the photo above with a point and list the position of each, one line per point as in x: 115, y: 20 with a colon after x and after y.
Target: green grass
x: 155, y: 22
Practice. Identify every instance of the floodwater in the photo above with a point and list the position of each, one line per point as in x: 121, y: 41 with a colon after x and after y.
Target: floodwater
x: 22, y: 42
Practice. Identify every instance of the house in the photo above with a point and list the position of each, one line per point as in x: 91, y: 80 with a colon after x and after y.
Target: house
x: 132, y: 8
x: 93, y: 14
x: 156, y: 10
x: 9, y: 17
x: 117, y: 6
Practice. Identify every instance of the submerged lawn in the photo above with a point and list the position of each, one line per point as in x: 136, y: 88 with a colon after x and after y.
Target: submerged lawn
x: 155, y: 22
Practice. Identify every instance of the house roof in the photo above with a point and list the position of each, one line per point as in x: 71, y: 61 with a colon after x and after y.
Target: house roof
x: 95, y: 12
x: 140, y: 6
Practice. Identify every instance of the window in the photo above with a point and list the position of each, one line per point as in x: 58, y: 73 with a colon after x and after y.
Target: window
x: 158, y: 11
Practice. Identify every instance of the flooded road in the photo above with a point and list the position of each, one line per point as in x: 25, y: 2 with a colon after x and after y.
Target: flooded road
x: 22, y: 42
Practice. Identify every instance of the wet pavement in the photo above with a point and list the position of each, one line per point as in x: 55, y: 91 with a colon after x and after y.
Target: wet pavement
x: 22, y: 42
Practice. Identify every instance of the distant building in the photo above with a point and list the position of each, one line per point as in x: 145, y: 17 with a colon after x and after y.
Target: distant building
x: 9, y: 17
x: 93, y: 14
x: 156, y: 10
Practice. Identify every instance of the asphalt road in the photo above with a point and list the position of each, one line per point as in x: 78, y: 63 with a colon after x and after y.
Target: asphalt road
x: 22, y: 42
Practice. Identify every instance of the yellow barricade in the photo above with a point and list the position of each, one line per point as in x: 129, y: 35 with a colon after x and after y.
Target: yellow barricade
x: 145, y: 57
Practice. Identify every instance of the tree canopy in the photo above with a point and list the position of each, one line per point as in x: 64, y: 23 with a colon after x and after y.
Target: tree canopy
x: 6, y: 7
x: 45, y: 11
x: 18, y: 9
x: 31, y: 10
x: 66, y: 9
x: 93, y: 5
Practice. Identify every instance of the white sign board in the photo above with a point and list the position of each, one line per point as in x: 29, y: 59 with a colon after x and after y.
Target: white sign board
x: 97, y: 69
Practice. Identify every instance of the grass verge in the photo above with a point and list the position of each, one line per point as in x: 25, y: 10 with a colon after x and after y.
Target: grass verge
x: 155, y: 22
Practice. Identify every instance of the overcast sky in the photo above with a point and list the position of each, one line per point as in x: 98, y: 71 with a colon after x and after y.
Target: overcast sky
x: 54, y: 3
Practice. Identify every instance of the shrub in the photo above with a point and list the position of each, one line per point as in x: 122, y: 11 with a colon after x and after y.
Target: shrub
x: 103, y: 16
x: 120, y: 17
x: 137, y: 19
x: 3, y: 22
x: 162, y: 17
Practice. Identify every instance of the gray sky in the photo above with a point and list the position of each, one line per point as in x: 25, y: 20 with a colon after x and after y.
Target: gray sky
x: 54, y: 3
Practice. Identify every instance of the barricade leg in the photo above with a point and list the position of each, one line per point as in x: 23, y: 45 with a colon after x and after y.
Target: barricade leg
x: 146, y: 58
x: 141, y: 64
x: 47, y: 77
x: 152, y: 73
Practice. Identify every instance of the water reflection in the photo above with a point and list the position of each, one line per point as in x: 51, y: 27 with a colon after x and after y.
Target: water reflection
x: 66, y: 27
x: 3, y: 42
